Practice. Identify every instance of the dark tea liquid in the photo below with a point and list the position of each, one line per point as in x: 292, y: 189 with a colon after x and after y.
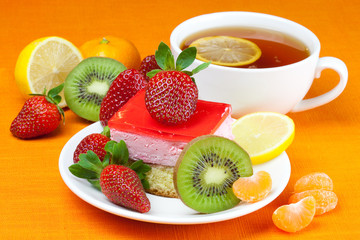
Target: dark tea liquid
x: 277, y: 49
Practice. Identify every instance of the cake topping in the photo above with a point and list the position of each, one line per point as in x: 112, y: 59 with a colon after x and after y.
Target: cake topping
x: 171, y: 94
x: 133, y: 118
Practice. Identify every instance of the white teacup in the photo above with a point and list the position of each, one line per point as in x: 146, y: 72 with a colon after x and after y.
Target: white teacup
x: 279, y: 89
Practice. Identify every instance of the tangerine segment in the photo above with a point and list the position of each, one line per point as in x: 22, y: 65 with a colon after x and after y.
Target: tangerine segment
x: 226, y: 51
x: 316, y: 180
x: 253, y: 188
x: 325, y: 200
x: 295, y: 216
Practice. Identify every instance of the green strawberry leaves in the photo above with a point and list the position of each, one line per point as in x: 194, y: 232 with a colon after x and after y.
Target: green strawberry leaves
x: 186, y: 58
x: 89, y: 167
x: 165, y: 60
x: 53, y: 97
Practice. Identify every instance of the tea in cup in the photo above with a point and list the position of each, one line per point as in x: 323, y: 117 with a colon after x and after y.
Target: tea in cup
x: 278, y: 81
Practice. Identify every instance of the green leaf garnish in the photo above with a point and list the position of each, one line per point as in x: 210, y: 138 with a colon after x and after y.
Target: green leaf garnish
x: 186, y: 58
x: 200, y: 67
x: 153, y: 72
x: 165, y: 60
x: 90, y: 166
x: 106, y: 131
x: 81, y: 172
x: 162, y: 56
x: 56, y: 90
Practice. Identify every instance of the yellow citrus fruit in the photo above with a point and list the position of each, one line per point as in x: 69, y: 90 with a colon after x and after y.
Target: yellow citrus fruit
x: 45, y: 63
x: 120, y: 49
x: 254, y: 188
x: 295, y: 216
x: 226, y: 51
x: 264, y: 135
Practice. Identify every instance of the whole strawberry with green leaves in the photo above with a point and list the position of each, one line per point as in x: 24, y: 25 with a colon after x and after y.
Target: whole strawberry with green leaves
x: 119, y: 180
x: 171, y: 94
x: 39, y: 116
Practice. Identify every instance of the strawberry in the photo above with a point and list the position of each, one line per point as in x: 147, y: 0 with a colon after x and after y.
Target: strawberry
x: 171, y: 94
x: 121, y: 182
x: 95, y: 142
x: 40, y: 115
x: 123, y: 187
x: 148, y: 64
x: 125, y: 86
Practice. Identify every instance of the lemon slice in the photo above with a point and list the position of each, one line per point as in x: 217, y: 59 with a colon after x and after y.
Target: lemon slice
x: 45, y: 63
x: 226, y: 51
x: 264, y: 135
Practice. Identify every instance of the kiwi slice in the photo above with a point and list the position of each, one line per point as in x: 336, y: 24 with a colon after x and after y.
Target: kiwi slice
x: 87, y: 84
x: 206, y: 170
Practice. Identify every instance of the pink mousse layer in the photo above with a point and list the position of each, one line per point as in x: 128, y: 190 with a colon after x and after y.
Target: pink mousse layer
x: 157, y: 143
x: 161, y: 151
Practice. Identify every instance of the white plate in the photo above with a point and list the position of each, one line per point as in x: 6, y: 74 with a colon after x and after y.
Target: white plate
x: 167, y: 210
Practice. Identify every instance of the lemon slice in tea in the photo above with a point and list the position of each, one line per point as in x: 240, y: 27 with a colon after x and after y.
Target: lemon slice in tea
x: 226, y: 51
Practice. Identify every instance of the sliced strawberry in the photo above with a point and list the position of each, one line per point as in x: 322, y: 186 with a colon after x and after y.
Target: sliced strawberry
x: 125, y: 86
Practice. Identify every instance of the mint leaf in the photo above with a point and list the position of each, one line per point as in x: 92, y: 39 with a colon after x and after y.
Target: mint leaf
x: 186, y: 58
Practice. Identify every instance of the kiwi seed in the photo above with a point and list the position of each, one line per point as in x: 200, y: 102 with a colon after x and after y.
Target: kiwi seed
x: 87, y: 84
x: 206, y: 170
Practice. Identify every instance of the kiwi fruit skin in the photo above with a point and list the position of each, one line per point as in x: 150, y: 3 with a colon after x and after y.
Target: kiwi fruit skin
x: 186, y: 175
x: 87, y: 84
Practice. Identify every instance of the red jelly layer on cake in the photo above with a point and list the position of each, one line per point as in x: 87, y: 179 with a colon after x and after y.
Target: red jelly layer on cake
x: 133, y: 117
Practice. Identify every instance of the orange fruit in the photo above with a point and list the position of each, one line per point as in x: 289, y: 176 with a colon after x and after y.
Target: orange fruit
x: 295, y: 216
x: 120, y: 49
x: 325, y: 200
x: 316, y: 180
x: 253, y: 188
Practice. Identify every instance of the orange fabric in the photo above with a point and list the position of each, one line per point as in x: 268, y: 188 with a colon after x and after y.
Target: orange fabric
x: 36, y: 204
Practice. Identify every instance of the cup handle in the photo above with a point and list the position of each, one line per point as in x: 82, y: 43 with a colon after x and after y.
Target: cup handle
x: 325, y: 63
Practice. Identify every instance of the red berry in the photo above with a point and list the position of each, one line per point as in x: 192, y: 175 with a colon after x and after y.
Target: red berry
x: 37, y: 117
x: 122, y: 186
x: 94, y: 142
x: 149, y: 63
x: 171, y: 97
x: 124, y: 87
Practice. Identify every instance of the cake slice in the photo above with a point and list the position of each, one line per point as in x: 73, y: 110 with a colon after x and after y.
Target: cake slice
x: 160, y: 145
